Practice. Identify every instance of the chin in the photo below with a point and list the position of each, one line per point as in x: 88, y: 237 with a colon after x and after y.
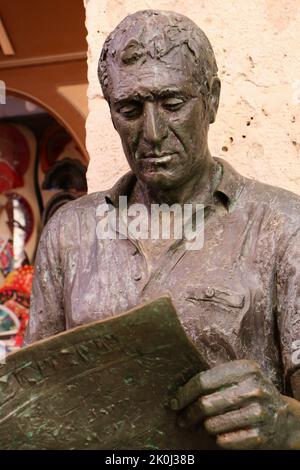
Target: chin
x: 160, y: 180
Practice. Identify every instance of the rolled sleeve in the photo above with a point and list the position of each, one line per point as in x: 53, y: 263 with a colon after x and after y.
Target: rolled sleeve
x: 288, y: 309
x: 46, y: 307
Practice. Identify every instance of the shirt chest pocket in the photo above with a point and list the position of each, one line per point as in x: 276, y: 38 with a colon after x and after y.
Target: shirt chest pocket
x: 215, y: 318
x: 216, y: 295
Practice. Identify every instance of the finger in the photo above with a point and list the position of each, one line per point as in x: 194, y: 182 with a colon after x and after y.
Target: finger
x: 206, y: 382
x: 249, y: 416
x: 244, y: 439
x: 188, y: 393
x: 220, y: 402
x: 227, y: 374
x: 191, y: 416
x: 231, y: 398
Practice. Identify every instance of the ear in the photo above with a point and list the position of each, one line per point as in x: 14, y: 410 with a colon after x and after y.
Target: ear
x: 214, y: 98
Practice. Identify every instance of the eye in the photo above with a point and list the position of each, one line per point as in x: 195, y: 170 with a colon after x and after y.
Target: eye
x: 172, y: 103
x: 130, y: 110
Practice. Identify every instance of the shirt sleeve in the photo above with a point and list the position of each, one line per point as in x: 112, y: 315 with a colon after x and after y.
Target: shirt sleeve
x: 288, y: 310
x: 46, y: 306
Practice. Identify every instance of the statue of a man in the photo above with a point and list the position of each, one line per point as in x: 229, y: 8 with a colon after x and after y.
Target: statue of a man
x: 238, y: 297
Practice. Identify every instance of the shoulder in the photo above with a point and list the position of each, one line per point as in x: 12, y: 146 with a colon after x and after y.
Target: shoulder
x: 282, y: 204
x: 270, y: 203
x: 82, y: 208
x: 83, y: 205
x: 74, y: 222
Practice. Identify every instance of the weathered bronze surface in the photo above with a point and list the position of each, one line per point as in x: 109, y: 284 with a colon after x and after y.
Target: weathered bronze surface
x: 238, y: 297
x: 102, y: 386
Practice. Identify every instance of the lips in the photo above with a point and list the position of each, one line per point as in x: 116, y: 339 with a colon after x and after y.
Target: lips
x: 158, y: 158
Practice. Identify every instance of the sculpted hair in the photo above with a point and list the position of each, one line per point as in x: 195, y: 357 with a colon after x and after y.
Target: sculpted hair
x: 153, y: 34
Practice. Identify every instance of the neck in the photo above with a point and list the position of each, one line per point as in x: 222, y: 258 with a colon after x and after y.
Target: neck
x: 198, y: 188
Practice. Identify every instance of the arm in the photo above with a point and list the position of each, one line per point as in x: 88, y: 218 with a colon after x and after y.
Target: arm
x: 46, y: 308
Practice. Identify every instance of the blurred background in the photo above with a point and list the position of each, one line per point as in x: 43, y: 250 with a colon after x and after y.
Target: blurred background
x: 43, y: 161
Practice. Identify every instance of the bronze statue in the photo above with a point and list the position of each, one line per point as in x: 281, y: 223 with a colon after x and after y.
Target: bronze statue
x: 238, y: 297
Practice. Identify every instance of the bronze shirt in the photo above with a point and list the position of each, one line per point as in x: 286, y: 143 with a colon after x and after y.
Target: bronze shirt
x: 237, y: 298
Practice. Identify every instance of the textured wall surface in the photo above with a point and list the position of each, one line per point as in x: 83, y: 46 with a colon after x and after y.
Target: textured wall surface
x: 256, y: 43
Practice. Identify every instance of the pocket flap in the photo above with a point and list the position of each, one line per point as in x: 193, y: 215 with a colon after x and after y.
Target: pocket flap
x: 216, y: 294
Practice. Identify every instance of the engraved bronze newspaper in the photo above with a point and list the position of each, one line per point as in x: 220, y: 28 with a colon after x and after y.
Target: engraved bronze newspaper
x: 105, y: 385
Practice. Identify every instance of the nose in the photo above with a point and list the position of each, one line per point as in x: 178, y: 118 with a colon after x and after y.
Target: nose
x: 155, y: 128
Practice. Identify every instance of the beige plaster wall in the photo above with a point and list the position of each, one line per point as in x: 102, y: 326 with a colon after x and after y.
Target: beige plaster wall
x: 256, y: 43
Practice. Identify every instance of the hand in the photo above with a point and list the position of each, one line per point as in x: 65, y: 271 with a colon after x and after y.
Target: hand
x: 238, y: 404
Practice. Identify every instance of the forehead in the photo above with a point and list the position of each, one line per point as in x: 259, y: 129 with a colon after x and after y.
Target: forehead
x: 175, y: 71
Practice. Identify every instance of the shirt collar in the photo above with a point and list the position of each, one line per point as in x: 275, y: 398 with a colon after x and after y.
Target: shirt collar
x: 122, y: 187
x: 228, y: 190
x: 231, y: 184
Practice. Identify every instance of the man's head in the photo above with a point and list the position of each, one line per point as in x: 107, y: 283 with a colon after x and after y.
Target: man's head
x: 159, y: 75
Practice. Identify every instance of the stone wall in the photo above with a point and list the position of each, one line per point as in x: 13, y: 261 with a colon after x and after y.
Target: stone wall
x: 256, y: 43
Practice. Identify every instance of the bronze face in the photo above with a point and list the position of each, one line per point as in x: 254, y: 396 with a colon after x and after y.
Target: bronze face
x: 162, y: 121
x: 160, y: 108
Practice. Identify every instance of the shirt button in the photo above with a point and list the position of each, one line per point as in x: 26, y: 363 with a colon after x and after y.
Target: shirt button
x: 209, y: 292
x: 137, y: 277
